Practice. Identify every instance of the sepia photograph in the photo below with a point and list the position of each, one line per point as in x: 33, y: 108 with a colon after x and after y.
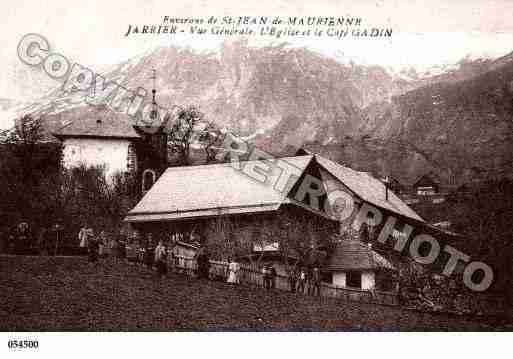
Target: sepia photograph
x: 310, y: 167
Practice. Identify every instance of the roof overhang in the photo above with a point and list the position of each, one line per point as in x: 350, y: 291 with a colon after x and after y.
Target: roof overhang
x: 201, y: 213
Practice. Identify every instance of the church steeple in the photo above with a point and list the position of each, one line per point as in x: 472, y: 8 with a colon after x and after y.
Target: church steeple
x: 154, y: 111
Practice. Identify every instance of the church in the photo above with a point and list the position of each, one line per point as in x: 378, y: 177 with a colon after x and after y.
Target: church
x: 100, y: 136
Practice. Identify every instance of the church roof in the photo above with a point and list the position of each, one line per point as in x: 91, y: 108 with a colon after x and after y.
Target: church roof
x: 96, y: 121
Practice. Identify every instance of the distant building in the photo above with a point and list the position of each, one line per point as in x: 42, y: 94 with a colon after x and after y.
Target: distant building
x: 426, y: 186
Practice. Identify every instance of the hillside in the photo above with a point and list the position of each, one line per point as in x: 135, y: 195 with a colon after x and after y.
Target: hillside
x: 457, y: 126
x: 65, y: 293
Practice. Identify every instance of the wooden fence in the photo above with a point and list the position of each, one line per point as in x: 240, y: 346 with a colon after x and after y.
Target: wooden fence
x: 252, y: 276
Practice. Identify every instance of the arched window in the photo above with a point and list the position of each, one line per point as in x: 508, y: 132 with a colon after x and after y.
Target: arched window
x: 148, y: 179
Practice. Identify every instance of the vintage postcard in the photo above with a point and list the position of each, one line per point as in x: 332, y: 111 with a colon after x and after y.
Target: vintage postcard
x: 270, y: 166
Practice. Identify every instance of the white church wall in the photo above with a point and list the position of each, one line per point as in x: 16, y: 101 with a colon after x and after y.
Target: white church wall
x: 113, y: 153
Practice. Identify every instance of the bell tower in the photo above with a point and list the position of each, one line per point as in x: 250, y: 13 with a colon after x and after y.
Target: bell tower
x: 153, y: 147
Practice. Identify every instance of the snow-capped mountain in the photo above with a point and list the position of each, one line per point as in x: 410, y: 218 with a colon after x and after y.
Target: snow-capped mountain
x: 366, y: 116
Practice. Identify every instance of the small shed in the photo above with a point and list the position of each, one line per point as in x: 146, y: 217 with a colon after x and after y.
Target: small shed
x: 354, y: 264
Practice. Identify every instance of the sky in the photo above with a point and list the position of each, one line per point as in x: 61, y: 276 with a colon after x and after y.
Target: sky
x: 425, y: 33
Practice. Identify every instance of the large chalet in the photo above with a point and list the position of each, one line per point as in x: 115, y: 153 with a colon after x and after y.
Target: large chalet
x: 192, y: 199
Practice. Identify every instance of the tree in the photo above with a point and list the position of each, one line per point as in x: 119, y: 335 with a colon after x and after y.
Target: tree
x: 22, y: 142
x: 27, y: 165
x: 211, y: 139
x: 183, y: 132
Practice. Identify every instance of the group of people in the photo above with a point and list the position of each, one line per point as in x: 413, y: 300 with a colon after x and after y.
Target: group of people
x: 99, y: 246
x: 18, y: 241
x: 22, y: 239
x: 305, y: 281
x: 158, y: 255
x: 269, y: 276
x: 161, y: 255
x: 149, y: 253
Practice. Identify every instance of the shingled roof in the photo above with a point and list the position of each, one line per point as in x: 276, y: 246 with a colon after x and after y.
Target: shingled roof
x: 210, y: 190
x: 368, y: 188
x: 351, y: 255
x: 95, y: 121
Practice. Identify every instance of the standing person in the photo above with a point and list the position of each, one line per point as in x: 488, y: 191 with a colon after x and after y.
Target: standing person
x: 93, y: 248
x: 149, y: 251
x: 103, y: 244
x: 316, y: 281
x: 160, y: 259
x: 273, y: 275
x: 266, y: 275
x: 122, y: 243
x: 141, y: 251
x: 132, y: 249
x: 22, y: 242
x: 233, y: 272
x: 203, y: 262
x: 58, y: 229
x: 114, y: 248
x: 309, y: 281
x: 301, y: 281
x: 172, y: 259
x: 293, y: 278
x: 83, y: 236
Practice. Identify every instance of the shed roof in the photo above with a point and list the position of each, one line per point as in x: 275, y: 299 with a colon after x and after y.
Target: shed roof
x: 368, y: 188
x: 352, y: 254
x: 96, y: 121
x: 210, y: 190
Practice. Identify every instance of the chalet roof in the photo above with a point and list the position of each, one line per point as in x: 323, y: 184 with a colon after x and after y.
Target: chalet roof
x: 368, y: 188
x: 96, y: 121
x: 210, y: 190
x: 216, y: 189
x: 351, y: 255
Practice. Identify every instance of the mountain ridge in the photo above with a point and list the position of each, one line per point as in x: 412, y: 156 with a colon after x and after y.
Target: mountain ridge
x: 364, y: 116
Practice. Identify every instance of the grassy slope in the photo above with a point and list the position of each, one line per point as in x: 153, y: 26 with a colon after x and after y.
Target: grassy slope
x: 69, y: 294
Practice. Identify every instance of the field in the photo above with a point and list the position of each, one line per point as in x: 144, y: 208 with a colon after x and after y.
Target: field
x: 67, y: 293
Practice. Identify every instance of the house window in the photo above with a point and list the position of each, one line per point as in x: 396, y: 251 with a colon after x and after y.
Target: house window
x: 354, y: 280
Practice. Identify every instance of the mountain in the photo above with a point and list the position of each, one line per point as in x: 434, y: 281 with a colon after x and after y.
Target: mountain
x: 460, y: 129
x: 448, y: 120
